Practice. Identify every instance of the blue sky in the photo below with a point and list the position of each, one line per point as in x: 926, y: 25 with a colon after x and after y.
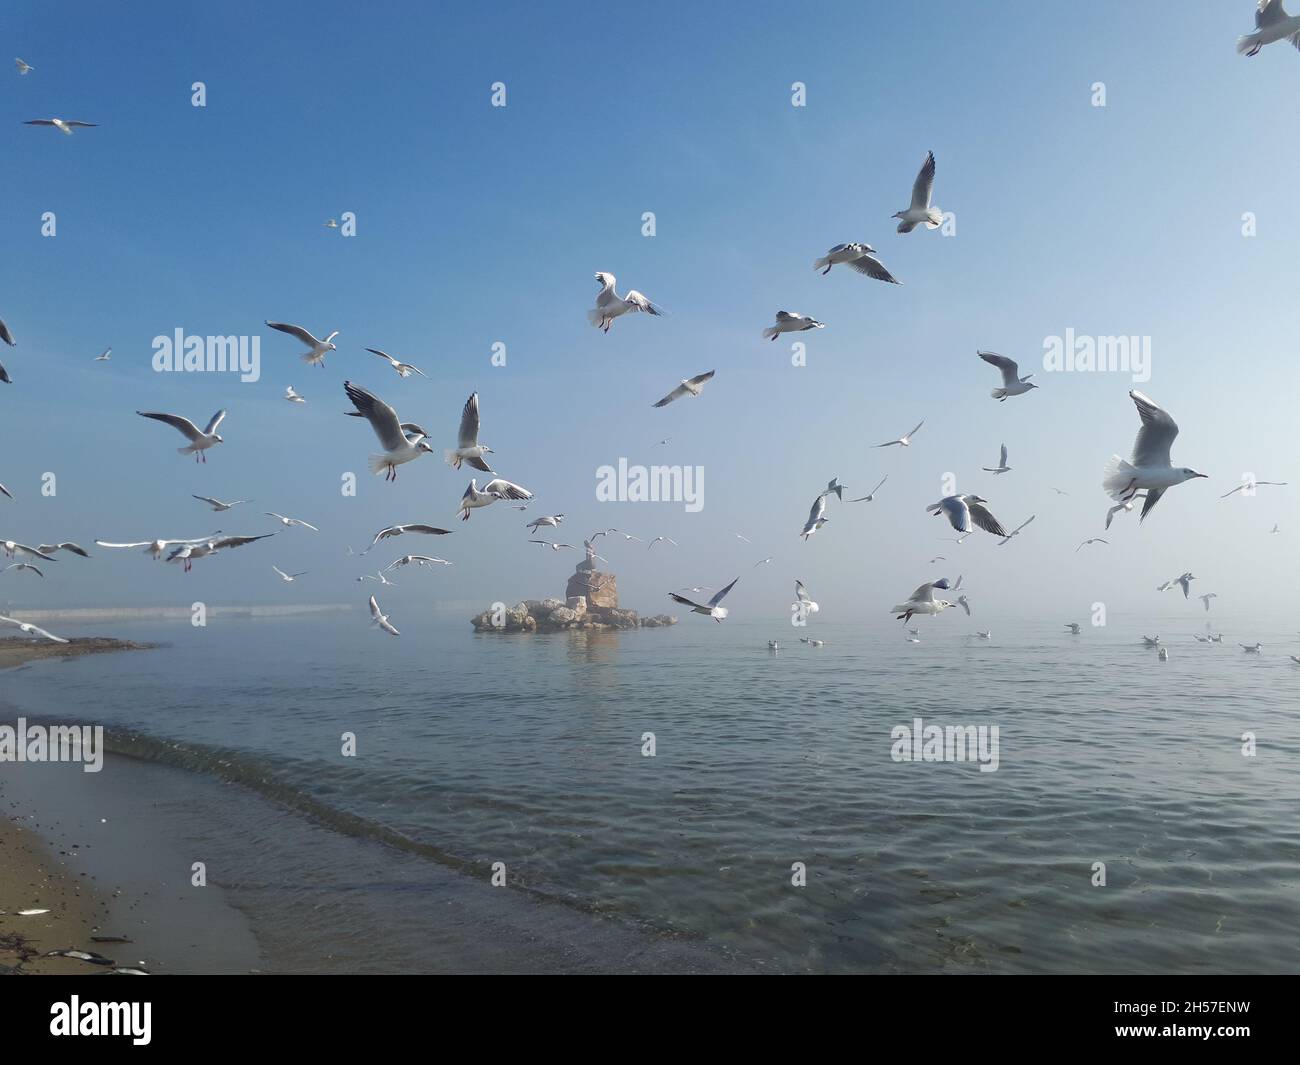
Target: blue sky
x: 480, y: 224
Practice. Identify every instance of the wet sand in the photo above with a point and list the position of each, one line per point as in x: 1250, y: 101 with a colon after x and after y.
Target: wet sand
x: 19, y: 650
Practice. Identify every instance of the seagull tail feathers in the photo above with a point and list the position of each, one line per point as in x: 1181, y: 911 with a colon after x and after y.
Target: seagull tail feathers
x: 769, y: 332
x: 1248, y: 44
x: 822, y: 263
x: 451, y: 458
x: 1117, y: 477
x: 594, y: 316
x: 378, y: 463
x: 999, y: 393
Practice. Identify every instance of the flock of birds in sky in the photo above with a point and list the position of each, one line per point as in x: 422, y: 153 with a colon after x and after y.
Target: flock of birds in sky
x: 1146, y: 476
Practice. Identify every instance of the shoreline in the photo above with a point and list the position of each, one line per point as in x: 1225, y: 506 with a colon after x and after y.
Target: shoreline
x: 19, y: 650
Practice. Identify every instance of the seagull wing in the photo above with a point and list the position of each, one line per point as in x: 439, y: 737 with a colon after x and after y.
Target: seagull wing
x: 924, y: 184
x: 801, y: 593
x: 986, y: 521
x: 1010, y: 371
x: 1003, y: 460
x: 924, y: 594
x: 641, y: 303
x: 1154, y: 439
x: 5, y: 335
x: 958, y: 513
x: 175, y: 421
x: 676, y: 393
x: 237, y: 541
x: 141, y: 543
x: 683, y: 600
x: 295, y: 331
x: 505, y: 490
x: 873, y: 267
x: 469, y: 421
x: 374, y: 609
x: 217, y: 419
x: 1153, y: 497
x: 383, y: 355
x: 1268, y: 12
x: 722, y: 594
x: 818, y: 509
x: 383, y: 419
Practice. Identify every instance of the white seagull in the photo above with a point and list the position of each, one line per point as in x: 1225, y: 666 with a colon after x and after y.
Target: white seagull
x: 1251, y: 483
x: 1012, y: 384
x: 380, y: 619
x: 319, y: 348
x: 200, y: 440
x: 288, y: 578
x: 67, y: 545
x: 293, y: 396
x: 790, y: 322
x: 691, y: 386
x: 400, y: 530
x: 554, y: 546
x: 155, y: 548
x: 860, y: 257
x: 872, y: 496
x: 105, y: 357
x: 5, y: 492
x: 419, y: 560
x: 404, y: 369
x: 289, y: 523
x: 398, y: 447
x: 664, y: 539
x: 922, y: 601
x: 495, y: 489
x: 1272, y: 23
x: 23, y: 68
x: 550, y: 522
x: 1150, y: 641
x: 217, y: 505
x: 962, y: 510
x: 709, y: 609
x: 1016, y: 530
x: 187, y: 553
x: 31, y: 630
x: 610, y: 305
x: 468, y: 450
x: 805, y: 603
x: 1150, y: 467
x: 1183, y: 581
x: 815, y: 519
x: 1205, y: 599
x: 63, y: 125
x: 1251, y: 649
x: 920, y: 210
x: 1091, y: 540
x: 23, y: 566
x: 13, y: 549
x: 1001, y: 467
x: 903, y: 441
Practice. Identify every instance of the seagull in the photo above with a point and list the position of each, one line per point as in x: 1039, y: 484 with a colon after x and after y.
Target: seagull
x: 550, y: 522
x: 1272, y: 23
x: 964, y: 603
x: 554, y: 546
x: 5, y: 492
x: 1294, y: 658
x: 1274, y: 529
x: 23, y: 68
x: 187, y: 553
x: 922, y: 601
x: 22, y: 566
x: 63, y: 125
x: 1250, y: 484
x: 1164, y: 654
x: 1016, y: 530
x: 288, y: 578
x: 377, y: 577
x: 662, y: 539
x: 806, y: 605
x: 200, y: 441
x: 468, y: 450
x: 920, y: 210
x: 905, y: 440
x: 789, y: 322
x: 772, y: 645
x: 1012, y: 384
x: 1184, y: 582
x: 822, y: 643
x: 31, y: 630
x: 1150, y: 641
x: 380, y: 619
x: 711, y: 608
x: 691, y: 386
x: 105, y: 357
x: 815, y: 520
x: 155, y: 548
x: 746, y: 539
x: 1205, y: 599
x: 610, y: 305
x: 293, y: 396
x: 68, y: 546
x: 319, y: 348
x: 219, y: 506
x: 1091, y: 540
x: 331, y: 223
x: 492, y: 491
x: 762, y: 562
x: 17, y: 550
x: 1199, y: 638
x: 860, y: 257
x: 627, y: 536
x: 1150, y: 467
x: 404, y: 369
x: 419, y: 560
x: 289, y: 523
x: 1180, y: 579
x: 1058, y: 491
x: 1001, y: 467
x: 986, y: 635
x: 1073, y: 626
x: 399, y: 530
x: 1126, y: 507
x: 834, y: 486
x: 1251, y: 649
x: 961, y: 510
x: 398, y: 447
x: 872, y: 496
x: 1215, y: 637
x: 937, y: 558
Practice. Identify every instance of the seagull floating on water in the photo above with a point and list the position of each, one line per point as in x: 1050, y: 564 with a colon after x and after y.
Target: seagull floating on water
x: 1251, y: 649
x: 610, y: 305
x: 1150, y: 641
x: 860, y: 257
x: 1012, y: 383
x: 1150, y: 467
x: 319, y: 348
x: 1073, y: 626
x: 920, y: 211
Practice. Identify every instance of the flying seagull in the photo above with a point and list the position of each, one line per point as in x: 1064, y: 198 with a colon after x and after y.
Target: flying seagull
x: 289, y: 523
x: 920, y: 211
x: 691, y: 386
x: 12, y: 549
x: 860, y: 257
x: 468, y: 450
x: 23, y: 68
x: 31, y: 630
x: 380, y: 619
x: 419, y: 560
x: 1016, y: 530
x: 806, y: 605
x: 398, y: 447
x: 63, y: 125
x: 5, y: 492
x: 1150, y: 467
x: 662, y: 539
x: 1001, y: 467
x: 105, y: 356
x: 23, y: 566
x: 1205, y: 599
x: 155, y: 548
x: 790, y: 322
x: 709, y: 609
x: 319, y: 348
x: 904, y: 441
x: 219, y: 506
x: 400, y: 530
x: 1091, y: 540
x: 1250, y: 484
x: 331, y: 223
x: 1184, y: 582
x: 187, y: 553
x: 1272, y: 23
x: 293, y: 396
x: 610, y: 305
x: 200, y: 441
x: 495, y: 489
x: 404, y: 369
x: 288, y: 578
x: 962, y: 510
x: 549, y: 522
x: 833, y: 487
x: 815, y: 519
x: 869, y: 498
x: 67, y: 545
x: 1012, y: 384
x: 922, y: 601
x: 554, y: 546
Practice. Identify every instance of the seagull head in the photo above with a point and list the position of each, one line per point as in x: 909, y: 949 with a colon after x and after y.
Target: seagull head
x: 898, y: 215
x: 218, y: 438
x: 423, y: 445
x: 486, y: 450
x: 1188, y: 474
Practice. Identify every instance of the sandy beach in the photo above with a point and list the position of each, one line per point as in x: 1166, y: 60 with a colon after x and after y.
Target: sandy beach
x: 19, y: 650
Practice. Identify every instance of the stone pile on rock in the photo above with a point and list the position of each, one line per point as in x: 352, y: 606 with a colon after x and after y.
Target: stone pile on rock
x: 591, y: 602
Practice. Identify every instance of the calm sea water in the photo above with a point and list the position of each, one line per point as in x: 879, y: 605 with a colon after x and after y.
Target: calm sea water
x: 475, y: 749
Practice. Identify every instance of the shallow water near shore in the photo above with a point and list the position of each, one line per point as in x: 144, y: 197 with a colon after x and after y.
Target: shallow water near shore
x: 528, y: 750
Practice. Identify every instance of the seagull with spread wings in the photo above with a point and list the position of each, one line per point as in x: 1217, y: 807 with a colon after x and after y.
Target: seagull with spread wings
x: 920, y: 210
x: 711, y: 609
x: 497, y: 488
x: 27, y: 628
x: 610, y: 305
x: 318, y: 348
x: 380, y: 620
x: 1012, y: 383
x: 398, y: 446
x: 816, y: 517
x: 468, y: 450
x: 400, y: 530
x: 217, y: 505
x: 200, y: 439
x: 872, y: 495
x: 962, y: 510
x: 1001, y: 467
x: 859, y: 257
x: 66, y: 126
x: 691, y: 386
x: 1272, y: 23
x: 404, y: 369
x: 791, y: 322
x: 1150, y: 467
x: 903, y: 441
x: 922, y: 601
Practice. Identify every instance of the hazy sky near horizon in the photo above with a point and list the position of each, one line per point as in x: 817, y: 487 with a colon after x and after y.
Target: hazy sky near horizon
x: 478, y: 225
